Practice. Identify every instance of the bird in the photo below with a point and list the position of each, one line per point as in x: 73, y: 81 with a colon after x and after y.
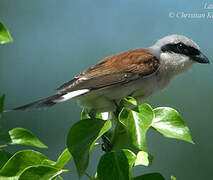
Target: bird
x: 138, y: 73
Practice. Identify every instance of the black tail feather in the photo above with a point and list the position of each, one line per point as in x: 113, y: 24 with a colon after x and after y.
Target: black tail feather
x: 46, y: 102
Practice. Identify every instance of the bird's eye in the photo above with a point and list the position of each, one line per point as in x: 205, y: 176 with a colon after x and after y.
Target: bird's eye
x: 182, y: 49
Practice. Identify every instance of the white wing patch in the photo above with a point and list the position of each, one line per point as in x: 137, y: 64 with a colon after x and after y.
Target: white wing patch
x: 82, y: 79
x: 71, y: 95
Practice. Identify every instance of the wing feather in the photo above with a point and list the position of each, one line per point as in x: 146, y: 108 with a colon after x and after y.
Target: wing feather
x: 115, y: 69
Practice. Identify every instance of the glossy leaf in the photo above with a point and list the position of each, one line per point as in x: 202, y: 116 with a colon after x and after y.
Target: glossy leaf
x: 120, y: 139
x: 84, y: 114
x: 48, y: 162
x: 173, y: 178
x: 4, y: 35
x: 142, y: 158
x: 128, y: 101
x: 151, y: 176
x: 4, y: 157
x: 19, y: 161
x: 116, y: 165
x: 39, y: 172
x: 24, y: 137
x: 63, y: 159
x: 137, y: 122
x: 81, y: 139
x: 168, y: 122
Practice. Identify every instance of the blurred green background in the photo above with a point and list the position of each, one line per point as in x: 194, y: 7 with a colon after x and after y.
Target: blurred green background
x: 55, y: 40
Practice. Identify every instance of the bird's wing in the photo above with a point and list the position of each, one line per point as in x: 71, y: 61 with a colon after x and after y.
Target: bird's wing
x: 115, y: 69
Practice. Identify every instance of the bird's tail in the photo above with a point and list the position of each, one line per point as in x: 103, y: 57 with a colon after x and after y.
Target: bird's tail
x: 46, y: 102
x: 51, y: 100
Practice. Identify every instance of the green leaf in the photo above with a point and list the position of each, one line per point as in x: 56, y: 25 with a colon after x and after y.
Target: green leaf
x: 18, y: 162
x: 81, y: 139
x: 39, y: 172
x: 116, y: 165
x: 128, y: 101
x: 168, y: 122
x: 151, y: 176
x: 137, y: 122
x: 2, y: 104
x: 48, y: 162
x: 4, y: 157
x: 4, y: 35
x: 173, y: 178
x: 24, y: 137
x: 5, y: 138
x: 84, y: 114
x: 142, y: 158
x: 63, y: 159
x: 120, y: 139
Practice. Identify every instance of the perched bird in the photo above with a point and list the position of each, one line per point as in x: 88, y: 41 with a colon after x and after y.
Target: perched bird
x: 138, y: 72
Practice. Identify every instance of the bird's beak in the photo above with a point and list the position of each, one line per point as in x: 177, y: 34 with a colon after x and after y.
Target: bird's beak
x: 201, y: 58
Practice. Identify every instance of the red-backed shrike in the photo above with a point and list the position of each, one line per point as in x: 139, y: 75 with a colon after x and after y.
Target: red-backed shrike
x: 138, y: 72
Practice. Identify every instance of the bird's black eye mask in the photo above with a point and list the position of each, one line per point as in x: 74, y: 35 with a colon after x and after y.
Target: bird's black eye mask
x: 180, y: 48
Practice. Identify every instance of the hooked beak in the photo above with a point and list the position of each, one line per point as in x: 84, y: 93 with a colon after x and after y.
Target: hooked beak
x: 201, y: 58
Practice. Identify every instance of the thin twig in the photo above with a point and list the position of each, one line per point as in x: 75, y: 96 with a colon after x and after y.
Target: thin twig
x: 90, y: 178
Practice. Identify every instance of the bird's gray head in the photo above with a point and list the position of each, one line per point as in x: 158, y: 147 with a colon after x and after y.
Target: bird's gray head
x: 177, y: 53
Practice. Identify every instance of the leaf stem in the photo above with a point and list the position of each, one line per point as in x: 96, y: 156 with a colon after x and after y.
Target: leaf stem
x: 116, y: 130
x: 3, y: 146
x: 73, y: 170
x: 68, y: 170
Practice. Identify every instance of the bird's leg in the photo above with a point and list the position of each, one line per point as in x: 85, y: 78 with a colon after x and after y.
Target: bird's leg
x: 92, y: 113
x: 106, y: 145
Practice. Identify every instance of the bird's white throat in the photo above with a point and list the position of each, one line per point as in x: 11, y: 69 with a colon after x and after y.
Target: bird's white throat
x: 175, y: 64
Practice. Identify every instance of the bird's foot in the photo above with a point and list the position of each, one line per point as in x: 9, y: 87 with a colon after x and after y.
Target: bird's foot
x: 106, y: 145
